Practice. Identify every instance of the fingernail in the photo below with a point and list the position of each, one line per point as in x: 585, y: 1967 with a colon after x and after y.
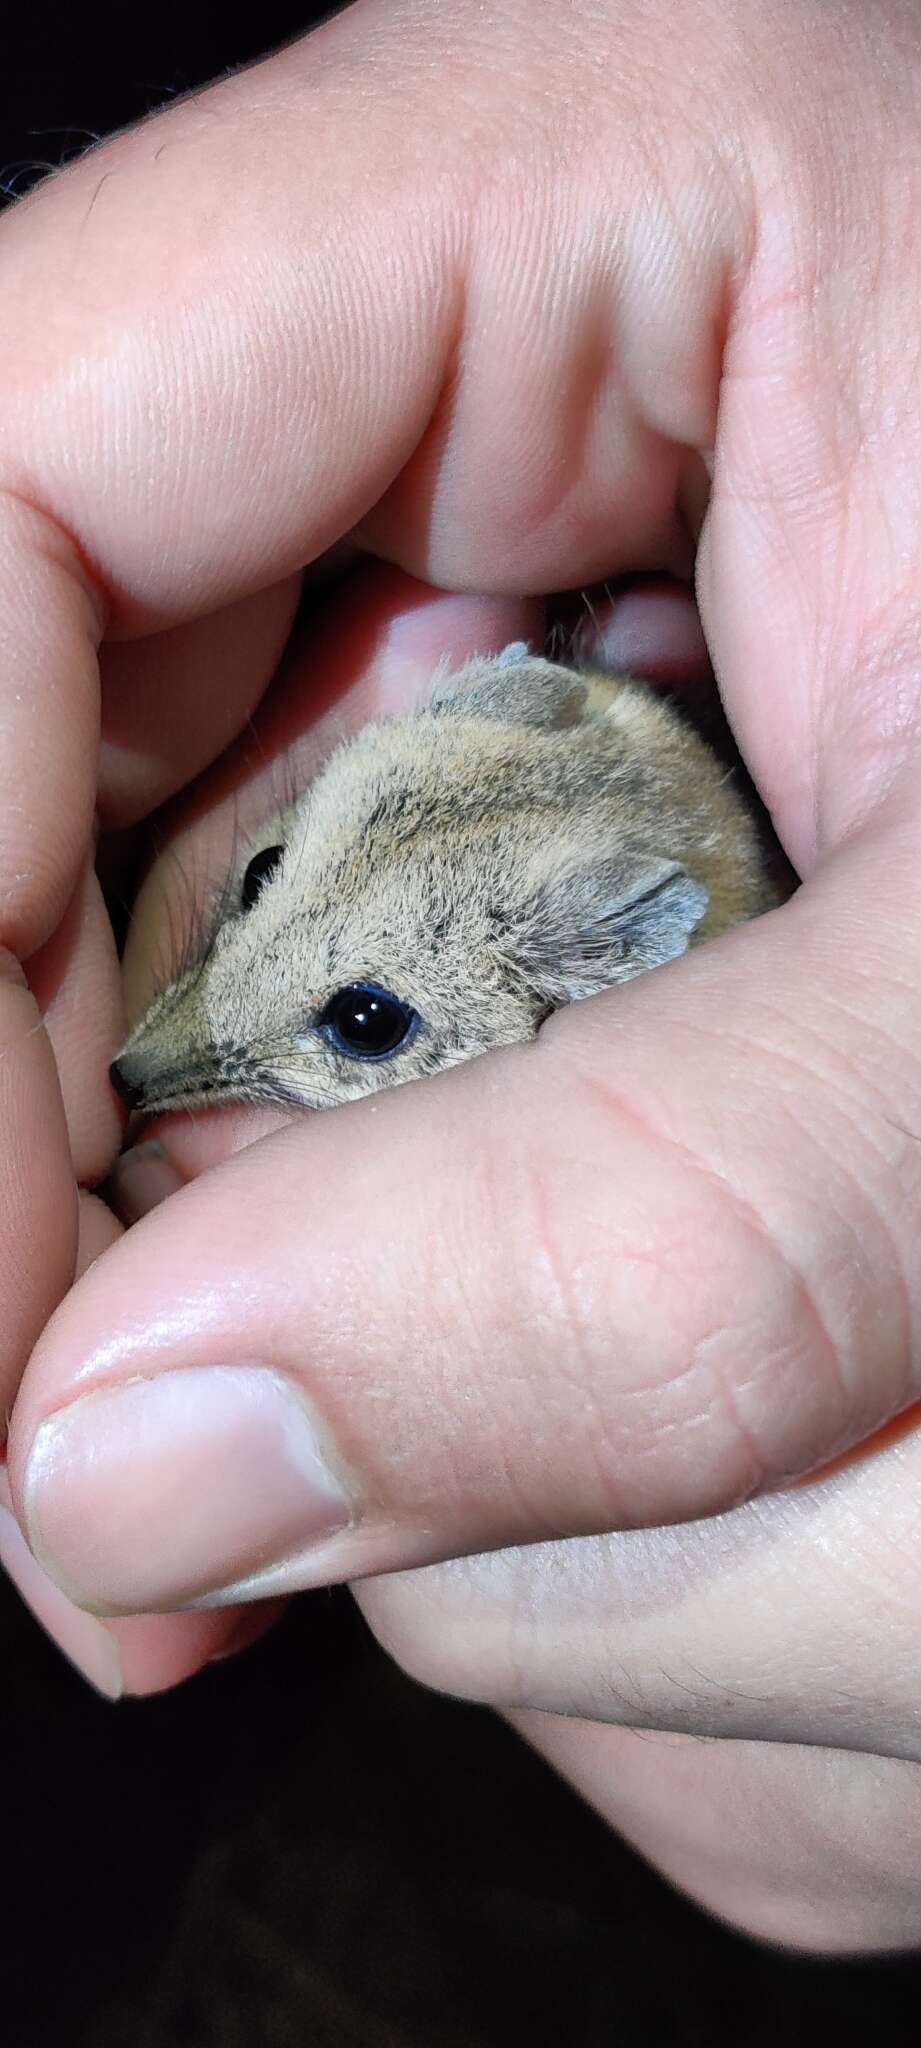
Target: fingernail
x: 451, y: 627
x: 164, y: 1491
x: 85, y: 1642
x: 652, y: 631
x: 140, y: 1179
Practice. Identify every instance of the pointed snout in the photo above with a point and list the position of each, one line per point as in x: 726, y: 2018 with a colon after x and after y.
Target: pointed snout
x: 149, y: 1082
x: 127, y: 1081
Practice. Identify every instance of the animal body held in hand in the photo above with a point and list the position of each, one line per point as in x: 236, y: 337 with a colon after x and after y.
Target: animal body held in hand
x: 532, y: 836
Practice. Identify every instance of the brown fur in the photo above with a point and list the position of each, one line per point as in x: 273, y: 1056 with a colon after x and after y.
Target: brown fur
x: 531, y: 837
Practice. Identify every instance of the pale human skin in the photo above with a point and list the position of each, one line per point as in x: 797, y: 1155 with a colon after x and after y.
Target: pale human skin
x: 589, y: 242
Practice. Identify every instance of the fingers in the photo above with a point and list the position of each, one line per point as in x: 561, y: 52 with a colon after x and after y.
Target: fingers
x: 49, y: 624
x: 280, y: 337
x: 175, y: 291
x: 807, y: 573
x: 650, y: 629
x: 769, y: 1632
x: 132, y: 1655
x: 141, y: 1654
x: 38, y: 1195
x: 76, y: 983
x: 173, y: 702
x: 88, y: 1644
x: 789, y: 1620
x: 811, y: 1848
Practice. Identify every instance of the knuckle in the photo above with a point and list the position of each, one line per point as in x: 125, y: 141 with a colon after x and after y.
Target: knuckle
x: 695, y: 1320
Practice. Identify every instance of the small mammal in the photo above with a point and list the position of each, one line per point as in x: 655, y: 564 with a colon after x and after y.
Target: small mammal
x: 532, y: 836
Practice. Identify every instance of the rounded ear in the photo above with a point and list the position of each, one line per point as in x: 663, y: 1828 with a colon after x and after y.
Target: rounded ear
x: 595, y: 925
x: 515, y: 687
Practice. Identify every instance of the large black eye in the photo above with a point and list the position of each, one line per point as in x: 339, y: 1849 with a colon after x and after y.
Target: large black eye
x: 367, y: 1023
x: 260, y: 868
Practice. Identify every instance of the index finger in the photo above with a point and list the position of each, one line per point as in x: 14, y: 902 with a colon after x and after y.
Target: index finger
x: 225, y: 388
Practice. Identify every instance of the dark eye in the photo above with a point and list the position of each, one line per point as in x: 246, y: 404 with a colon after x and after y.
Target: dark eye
x: 367, y: 1023
x: 260, y: 868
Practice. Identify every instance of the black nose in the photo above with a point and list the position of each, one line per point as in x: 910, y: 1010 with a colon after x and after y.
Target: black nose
x: 131, y: 1092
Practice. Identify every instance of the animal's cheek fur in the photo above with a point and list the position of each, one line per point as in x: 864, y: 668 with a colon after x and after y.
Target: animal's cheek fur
x: 320, y: 1073
x: 503, y: 1013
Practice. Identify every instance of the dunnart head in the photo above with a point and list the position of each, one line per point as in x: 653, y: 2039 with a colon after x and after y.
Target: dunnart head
x: 531, y: 837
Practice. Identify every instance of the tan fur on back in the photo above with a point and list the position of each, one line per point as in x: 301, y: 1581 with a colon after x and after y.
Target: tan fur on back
x: 531, y: 837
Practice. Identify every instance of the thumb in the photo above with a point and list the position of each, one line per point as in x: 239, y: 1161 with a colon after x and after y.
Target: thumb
x: 628, y: 1274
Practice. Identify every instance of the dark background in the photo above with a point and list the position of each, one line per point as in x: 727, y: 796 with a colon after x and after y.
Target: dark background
x: 76, y: 73
x: 301, y: 1847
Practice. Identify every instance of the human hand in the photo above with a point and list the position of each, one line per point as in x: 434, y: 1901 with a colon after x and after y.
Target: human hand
x: 726, y: 1293
x: 774, y: 1631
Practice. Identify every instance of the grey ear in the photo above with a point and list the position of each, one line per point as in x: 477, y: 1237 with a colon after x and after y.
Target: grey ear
x: 515, y: 688
x: 590, y: 928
